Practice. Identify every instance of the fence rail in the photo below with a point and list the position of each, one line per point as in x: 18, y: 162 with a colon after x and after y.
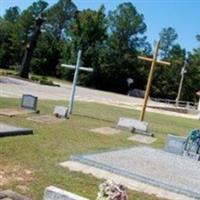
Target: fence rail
x: 184, y: 104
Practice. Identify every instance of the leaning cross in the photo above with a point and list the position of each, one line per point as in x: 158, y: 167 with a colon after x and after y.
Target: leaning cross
x: 77, y: 68
x: 150, y: 78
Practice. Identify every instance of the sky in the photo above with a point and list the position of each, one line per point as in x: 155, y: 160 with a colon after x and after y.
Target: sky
x: 183, y: 15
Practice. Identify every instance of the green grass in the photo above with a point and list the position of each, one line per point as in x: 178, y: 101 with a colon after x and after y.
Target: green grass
x: 52, y: 144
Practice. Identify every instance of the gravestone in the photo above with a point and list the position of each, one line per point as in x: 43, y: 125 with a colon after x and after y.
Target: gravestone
x: 60, y: 111
x: 133, y: 125
x: 175, y: 144
x: 54, y: 193
x: 29, y: 102
x: 9, y: 130
x: 28, y: 105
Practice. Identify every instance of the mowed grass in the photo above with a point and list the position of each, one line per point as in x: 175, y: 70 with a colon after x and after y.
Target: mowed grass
x: 51, y: 144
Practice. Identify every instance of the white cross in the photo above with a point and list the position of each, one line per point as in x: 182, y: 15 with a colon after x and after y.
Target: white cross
x: 77, y: 68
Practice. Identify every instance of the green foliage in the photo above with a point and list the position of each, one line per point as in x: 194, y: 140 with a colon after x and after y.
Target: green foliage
x: 168, y: 37
x: 119, y: 55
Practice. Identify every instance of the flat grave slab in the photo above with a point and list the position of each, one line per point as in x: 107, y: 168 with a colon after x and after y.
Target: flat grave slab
x: 54, y: 193
x: 156, y: 167
x: 106, y: 130
x: 9, y: 130
x: 142, y: 139
x: 46, y: 119
x: 11, y: 112
x: 11, y: 195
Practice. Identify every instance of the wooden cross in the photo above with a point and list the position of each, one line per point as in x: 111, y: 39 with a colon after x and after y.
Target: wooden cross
x: 150, y: 78
x: 77, y: 68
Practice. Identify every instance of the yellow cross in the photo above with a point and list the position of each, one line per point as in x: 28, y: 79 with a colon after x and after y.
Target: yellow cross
x: 150, y: 78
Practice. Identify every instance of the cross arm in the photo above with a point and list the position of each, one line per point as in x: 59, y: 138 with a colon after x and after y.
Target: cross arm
x: 151, y: 59
x: 81, y: 68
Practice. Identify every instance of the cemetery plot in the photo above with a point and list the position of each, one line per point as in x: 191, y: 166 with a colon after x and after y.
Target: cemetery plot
x: 48, y: 119
x: 28, y: 105
x: 142, y: 139
x: 106, y: 131
x: 9, y: 130
x: 10, y: 195
x: 182, y: 175
x: 11, y: 112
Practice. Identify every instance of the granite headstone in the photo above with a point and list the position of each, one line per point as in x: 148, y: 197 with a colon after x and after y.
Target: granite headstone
x: 175, y: 144
x: 29, y: 102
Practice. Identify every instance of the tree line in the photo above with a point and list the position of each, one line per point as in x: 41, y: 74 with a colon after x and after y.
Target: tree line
x: 110, y: 44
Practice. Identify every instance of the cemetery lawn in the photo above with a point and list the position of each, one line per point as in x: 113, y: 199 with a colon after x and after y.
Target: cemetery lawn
x: 28, y: 164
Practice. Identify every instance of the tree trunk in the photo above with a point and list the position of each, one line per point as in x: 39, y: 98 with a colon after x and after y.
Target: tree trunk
x: 24, y: 73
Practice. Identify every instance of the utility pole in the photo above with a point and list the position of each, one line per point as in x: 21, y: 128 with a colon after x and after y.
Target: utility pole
x: 183, y: 71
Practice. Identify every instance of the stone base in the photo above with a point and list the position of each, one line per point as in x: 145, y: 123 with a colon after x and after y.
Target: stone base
x: 54, y: 193
x: 133, y: 125
x: 60, y: 111
x: 8, y: 130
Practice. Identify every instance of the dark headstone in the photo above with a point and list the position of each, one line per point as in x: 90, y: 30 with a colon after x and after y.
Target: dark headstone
x: 29, y: 102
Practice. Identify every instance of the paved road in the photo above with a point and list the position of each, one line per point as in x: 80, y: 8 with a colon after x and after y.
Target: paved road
x: 12, y: 87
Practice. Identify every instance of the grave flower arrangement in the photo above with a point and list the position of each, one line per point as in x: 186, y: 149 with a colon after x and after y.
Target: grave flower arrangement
x: 111, y: 191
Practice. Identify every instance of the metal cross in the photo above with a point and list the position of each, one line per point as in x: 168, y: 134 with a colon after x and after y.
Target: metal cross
x: 77, y: 68
x: 153, y: 61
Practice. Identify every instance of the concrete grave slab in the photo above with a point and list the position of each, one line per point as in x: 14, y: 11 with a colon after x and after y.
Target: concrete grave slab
x: 144, y: 164
x: 142, y: 139
x: 60, y: 111
x: 11, y: 112
x: 11, y: 195
x: 9, y: 130
x: 128, y: 182
x: 106, y: 130
x: 175, y: 144
x: 54, y: 193
x: 46, y: 119
x: 133, y: 125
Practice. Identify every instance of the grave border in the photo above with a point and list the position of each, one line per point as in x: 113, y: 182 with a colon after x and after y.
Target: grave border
x: 135, y: 176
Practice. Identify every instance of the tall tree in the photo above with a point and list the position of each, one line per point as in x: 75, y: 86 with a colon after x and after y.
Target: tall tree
x: 12, y: 14
x: 168, y: 38
x: 88, y: 33
x: 119, y: 57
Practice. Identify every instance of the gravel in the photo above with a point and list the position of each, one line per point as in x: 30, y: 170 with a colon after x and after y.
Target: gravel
x: 153, y: 166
